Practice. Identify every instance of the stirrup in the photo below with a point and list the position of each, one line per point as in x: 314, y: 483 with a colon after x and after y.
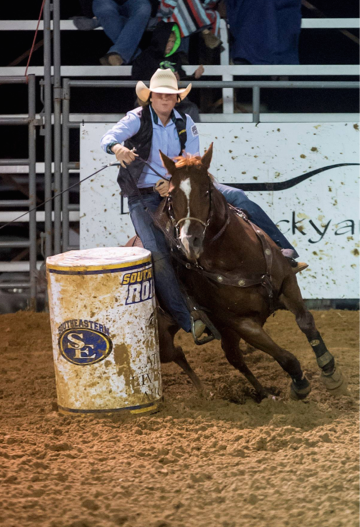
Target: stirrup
x: 212, y: 332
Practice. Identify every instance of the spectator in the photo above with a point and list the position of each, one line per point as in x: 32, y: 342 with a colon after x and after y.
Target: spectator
x: 264, y: 31
x: 163, y: 53
x: 124, y: 22
x: 192, y: 16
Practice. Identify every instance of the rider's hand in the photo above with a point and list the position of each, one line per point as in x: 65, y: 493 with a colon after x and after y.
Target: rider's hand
x: 123, y: 154
x: 162, y: 187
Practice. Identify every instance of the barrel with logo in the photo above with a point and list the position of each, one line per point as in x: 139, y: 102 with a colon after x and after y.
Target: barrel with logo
x: 104, y: 331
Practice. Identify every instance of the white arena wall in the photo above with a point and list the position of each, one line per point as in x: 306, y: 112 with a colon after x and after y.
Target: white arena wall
x: 319, y: 216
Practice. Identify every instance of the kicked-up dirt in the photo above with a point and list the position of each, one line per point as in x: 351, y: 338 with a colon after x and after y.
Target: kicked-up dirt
x: 222, y: 460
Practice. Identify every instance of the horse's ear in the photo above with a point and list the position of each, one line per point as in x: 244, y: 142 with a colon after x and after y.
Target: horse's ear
x: 167, y: 162
x: 206, y: 158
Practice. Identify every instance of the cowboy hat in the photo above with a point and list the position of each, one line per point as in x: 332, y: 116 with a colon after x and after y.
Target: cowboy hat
x: 163, y: 81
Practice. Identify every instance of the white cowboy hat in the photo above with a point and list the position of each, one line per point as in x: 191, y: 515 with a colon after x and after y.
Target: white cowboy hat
x: 163, y: 81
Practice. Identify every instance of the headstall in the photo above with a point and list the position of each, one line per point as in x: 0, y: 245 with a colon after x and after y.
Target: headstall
x: 205, y: 224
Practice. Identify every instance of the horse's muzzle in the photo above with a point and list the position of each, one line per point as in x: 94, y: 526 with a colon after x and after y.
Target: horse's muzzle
x: 192, y: 245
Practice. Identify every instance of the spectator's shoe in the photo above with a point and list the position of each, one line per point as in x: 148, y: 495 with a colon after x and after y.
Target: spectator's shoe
x: 112, y: 59
x: 211, y: 41
x: 84, y: 23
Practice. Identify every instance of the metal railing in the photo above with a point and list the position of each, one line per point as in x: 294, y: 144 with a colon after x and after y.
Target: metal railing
x: 68, y: 25
x: 31, y: 243
x: 59, y: 121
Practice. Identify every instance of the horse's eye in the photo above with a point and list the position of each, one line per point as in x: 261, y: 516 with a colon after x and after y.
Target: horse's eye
x: 207, y: 193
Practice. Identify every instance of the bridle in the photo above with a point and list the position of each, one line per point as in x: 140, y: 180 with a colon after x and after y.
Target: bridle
x: 205, y: 224
x: 176, y: 224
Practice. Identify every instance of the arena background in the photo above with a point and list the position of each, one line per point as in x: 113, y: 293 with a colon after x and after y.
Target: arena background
x: 81, y: 51
x: 221, y: 459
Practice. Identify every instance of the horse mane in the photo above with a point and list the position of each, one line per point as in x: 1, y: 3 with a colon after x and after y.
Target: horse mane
x: 189, y: 160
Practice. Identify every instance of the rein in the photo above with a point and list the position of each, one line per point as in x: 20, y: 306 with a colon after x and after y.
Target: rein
x: 237, y: 279
x: 58, y: 194
x: 228, y: 279
x: 233, y: 279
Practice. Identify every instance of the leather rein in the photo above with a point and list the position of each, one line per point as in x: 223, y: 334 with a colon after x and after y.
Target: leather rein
x: 229, y: 279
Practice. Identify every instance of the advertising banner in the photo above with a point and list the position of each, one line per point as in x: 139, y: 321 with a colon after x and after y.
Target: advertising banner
x: 304, y: 176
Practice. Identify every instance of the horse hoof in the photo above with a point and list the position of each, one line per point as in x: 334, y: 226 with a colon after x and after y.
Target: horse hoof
x: 300, y: 390
x: 335, y: 383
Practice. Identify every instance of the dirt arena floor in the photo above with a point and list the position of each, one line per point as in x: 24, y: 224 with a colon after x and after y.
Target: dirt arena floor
x: 225, y: 461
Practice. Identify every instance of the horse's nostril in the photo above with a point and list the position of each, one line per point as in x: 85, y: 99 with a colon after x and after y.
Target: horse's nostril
x: 197, y: 242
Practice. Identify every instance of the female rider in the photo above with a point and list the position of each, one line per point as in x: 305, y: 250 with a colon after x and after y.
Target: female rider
x: 157, y: 125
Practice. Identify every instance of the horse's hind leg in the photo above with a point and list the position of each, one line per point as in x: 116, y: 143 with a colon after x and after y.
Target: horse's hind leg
x: 330, y: 376
x: 252, y: 332
x: 230, y: 344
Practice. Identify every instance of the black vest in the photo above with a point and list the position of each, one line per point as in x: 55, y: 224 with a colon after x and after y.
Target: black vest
x: 142, y: 142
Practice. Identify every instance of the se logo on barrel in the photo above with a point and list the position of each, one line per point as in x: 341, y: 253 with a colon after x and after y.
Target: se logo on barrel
x: 84, y: 346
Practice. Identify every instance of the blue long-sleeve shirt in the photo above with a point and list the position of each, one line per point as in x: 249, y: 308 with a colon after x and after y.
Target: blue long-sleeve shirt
x: 165, y: 138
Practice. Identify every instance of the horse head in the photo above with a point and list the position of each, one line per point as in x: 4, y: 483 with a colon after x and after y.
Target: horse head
x: 189, y: 200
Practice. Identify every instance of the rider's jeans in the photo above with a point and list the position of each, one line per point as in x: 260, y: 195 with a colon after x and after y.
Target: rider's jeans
x: 166, y: 284
x: 124, y: 23
x: 238, y: 199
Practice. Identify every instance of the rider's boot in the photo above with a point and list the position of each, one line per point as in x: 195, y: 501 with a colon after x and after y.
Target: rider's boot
x: 297, y: 267
x: 200, y: 325
x: 300, y: 266
x: 199, y: 328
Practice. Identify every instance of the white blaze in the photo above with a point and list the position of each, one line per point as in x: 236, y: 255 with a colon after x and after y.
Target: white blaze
x: 185, y: 186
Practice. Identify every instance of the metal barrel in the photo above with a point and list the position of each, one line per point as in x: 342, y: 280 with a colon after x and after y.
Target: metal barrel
x: 104, y: 331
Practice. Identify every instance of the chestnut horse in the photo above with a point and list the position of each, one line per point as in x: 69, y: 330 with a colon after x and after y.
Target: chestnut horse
x: 237, y: 274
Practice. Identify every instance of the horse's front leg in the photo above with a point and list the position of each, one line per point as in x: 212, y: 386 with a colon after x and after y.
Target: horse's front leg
x: 167, y: 329
x: 331, y: 376
x: 252, y: 332
x: 230, y: 344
